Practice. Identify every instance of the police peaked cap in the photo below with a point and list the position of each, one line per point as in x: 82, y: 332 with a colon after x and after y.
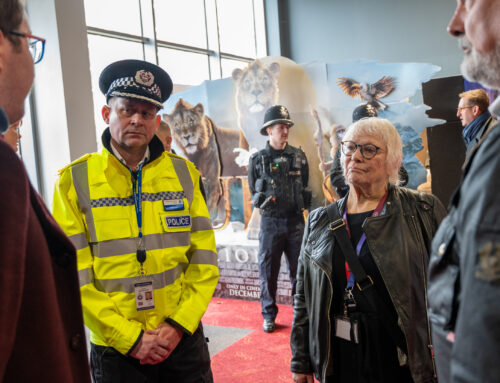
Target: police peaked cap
x: 136, y: 79
x: 363, y: 111
x: 276, y: 114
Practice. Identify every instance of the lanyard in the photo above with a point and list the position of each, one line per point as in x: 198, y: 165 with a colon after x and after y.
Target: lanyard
x: 137, y: 191
x: 362, y: 240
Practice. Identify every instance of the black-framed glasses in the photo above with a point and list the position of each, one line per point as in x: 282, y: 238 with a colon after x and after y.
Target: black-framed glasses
x: 368, y: 151
x: 36, y: 45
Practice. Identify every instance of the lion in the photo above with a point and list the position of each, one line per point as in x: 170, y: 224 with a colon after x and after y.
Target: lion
x: 209, y: 147
x: 256, y: 90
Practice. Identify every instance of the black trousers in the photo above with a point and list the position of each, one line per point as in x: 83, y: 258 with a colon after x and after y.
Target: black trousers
x: 277, y: 236
x: 188, y: 363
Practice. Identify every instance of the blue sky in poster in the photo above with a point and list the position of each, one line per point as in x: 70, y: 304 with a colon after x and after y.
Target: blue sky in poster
x: 335, y: 106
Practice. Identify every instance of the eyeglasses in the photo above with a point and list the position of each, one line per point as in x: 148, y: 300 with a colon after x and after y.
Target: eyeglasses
x: 368, y: 151
x: 460, y: 108
x: 36, y: 45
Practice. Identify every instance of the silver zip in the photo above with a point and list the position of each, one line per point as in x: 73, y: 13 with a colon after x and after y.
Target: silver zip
x: 329, y: 321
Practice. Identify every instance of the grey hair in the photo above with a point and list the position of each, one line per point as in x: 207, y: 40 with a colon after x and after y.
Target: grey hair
x: 384, y: 130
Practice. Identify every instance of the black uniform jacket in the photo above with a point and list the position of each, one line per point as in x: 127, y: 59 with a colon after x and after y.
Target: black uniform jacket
x: 399, y: 241
x: 286, y: 205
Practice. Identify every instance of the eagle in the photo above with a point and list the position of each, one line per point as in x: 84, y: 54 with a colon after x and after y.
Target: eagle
x: 368, y: 92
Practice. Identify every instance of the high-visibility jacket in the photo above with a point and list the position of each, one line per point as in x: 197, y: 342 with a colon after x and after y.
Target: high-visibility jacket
x: 94, y: 204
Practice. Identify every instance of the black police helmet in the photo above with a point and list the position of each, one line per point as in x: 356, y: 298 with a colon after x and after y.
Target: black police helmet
x: 276, y: 114
x: 364, y: 110
x: 136, y: 79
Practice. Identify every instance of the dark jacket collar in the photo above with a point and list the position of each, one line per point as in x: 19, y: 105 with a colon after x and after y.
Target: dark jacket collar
x: 156, y: 148
x: 473, y: 128
x: 390, y: 197
x: 287, y: 150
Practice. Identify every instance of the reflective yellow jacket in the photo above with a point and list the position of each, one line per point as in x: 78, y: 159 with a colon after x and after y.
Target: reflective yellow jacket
x: 94, y: 204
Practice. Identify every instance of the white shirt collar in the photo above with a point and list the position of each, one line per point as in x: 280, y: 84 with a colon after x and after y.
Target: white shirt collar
x: 120, y: 158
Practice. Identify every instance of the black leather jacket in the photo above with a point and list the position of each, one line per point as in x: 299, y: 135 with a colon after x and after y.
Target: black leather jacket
x: 399, y: 241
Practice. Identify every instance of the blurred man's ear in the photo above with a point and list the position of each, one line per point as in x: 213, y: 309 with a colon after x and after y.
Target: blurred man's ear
x: 105, y: 111
x: 158, y: 120
x: 476, y: 111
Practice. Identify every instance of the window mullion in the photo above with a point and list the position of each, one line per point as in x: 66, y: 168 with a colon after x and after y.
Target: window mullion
x: 182, y: 47
x: 213, y: 43
x: 260, y: 28
x: 148, y: 30
x: 230, y: 56
x: 117, y: 35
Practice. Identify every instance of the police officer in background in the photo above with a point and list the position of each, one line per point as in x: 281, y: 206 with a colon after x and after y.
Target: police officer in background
x: 278, y: 177
x: 145, y: 246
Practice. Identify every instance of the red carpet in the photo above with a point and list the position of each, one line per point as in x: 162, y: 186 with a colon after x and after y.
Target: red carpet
x: 258, y: 357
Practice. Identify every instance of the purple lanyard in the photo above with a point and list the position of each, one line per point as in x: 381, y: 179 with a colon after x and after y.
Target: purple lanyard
x: 362, y: 240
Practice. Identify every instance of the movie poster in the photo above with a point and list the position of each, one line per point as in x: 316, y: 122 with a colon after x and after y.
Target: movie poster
x: 216, y: 125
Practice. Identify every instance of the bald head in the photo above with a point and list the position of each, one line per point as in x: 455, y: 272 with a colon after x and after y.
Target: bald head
x: 165, y: 136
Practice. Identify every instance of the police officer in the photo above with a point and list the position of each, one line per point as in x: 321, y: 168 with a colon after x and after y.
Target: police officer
x: 278, y: 177
x: 145, y: 246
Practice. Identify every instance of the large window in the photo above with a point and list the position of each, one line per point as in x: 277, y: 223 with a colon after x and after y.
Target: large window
x: 193, y: 40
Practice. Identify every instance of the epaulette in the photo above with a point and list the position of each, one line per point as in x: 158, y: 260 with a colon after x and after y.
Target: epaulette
x: 81, y: 159
x: 175, y: 155
x: 170, y: 154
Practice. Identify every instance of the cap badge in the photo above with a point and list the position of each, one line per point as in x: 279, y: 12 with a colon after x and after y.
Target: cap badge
x: 144, y: 78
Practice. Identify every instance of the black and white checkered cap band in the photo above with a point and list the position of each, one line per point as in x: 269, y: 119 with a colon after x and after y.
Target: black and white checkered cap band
x: 126, y: 82
x: 128, y: 201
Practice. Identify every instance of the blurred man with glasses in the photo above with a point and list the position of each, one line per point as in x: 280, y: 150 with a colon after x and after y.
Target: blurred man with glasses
x: 41, y: 327
x: 474, y: 115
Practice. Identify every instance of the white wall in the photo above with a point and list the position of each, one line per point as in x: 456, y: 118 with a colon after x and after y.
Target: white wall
x: 382, y: 30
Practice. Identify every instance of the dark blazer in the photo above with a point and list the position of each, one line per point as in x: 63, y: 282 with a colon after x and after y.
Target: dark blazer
x: 41, y: 326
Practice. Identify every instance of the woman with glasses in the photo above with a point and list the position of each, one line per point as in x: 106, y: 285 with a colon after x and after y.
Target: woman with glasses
x: 360, y: 306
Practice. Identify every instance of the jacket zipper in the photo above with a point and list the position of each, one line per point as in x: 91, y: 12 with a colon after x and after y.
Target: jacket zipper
x: 424, y: 278
x: 329, y: 320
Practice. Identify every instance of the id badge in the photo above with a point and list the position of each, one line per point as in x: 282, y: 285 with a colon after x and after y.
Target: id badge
x: 144, y: 298
x: 173, y: 204
x: 343, y: 329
